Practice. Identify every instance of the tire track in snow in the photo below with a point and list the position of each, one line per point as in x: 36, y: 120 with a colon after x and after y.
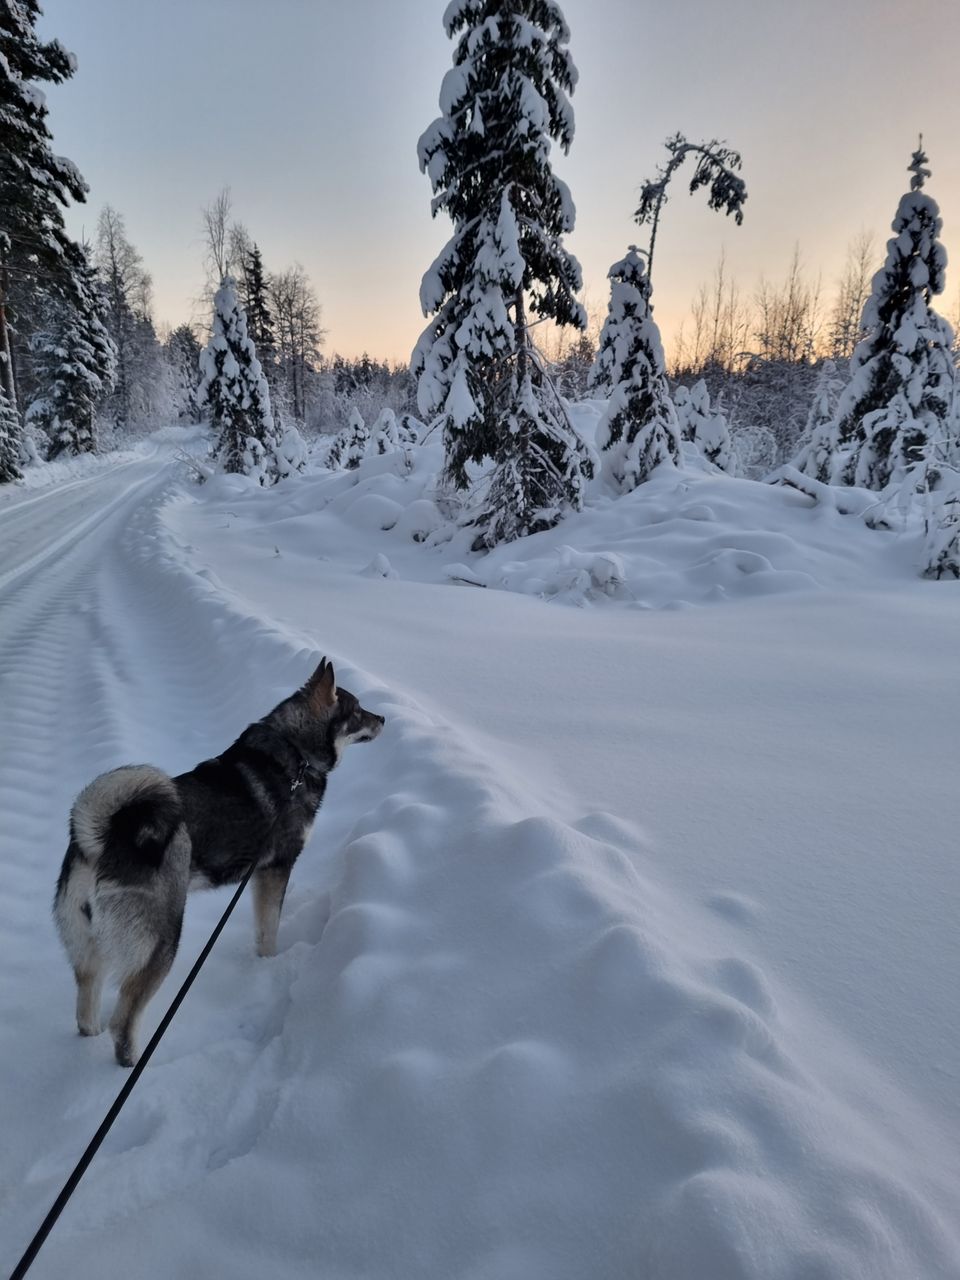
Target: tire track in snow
x: 98, y: 666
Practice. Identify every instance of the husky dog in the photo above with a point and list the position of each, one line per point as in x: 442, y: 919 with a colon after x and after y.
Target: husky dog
x: 140, y: 839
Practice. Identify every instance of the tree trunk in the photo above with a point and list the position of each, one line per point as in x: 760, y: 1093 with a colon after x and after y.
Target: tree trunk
x: 520, y: 337
x: 6, y: 354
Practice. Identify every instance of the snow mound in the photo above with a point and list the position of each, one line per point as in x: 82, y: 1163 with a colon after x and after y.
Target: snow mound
x: 686, y: 537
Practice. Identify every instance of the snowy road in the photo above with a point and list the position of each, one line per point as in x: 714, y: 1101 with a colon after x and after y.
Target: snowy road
x: 506, y: 1036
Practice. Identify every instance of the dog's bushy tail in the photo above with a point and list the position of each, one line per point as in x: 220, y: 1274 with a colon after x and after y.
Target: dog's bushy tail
x: 126, y: 819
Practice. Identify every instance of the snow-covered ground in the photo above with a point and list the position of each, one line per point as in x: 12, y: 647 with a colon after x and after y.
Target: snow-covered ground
x: 629, y: 949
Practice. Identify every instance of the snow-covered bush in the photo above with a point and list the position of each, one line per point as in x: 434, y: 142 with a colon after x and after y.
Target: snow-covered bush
x: 756, y: 450
x: 706, y: 427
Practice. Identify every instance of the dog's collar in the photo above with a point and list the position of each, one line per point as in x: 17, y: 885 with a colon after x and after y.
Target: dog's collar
x: 302, y: 772
x: 304, y: 767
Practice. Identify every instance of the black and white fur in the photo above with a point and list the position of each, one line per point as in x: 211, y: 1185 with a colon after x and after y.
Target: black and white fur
x: 140, y: 839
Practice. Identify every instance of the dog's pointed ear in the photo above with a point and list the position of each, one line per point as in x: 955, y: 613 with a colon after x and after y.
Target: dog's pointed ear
x: 321, y: 688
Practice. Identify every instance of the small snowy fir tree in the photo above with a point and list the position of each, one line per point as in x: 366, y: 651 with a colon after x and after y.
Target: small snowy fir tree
x: 76, y: 363
x: 410, y: 429
x: 901, y: 390
x: 943, y: 531
x: 349, y: 447
x: 705, y: 427
x: 336, y: 450
x: 488, y: 159
x: 290, y: 452
x: 234, y: 393
x: 9, y: 440
x: 693, y: 409
x: 638, y: 431
x: 713, y: 441
x: 386, y: 432
x: 815, y: 455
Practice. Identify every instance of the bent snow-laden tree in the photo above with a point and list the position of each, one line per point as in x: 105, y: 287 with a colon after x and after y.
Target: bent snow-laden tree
x: 488, y: 159
x: 234, y: 393
x: 716, y: 168
x: 638, y: 431
x: 900, y: 395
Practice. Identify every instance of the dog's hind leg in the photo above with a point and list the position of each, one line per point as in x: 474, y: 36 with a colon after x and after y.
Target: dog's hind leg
x: 269, y: 887
x: 135, y: 992
x: 89, y: 992
x: 72, y: 911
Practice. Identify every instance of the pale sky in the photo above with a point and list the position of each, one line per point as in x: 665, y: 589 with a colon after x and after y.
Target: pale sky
x: 310, y: 110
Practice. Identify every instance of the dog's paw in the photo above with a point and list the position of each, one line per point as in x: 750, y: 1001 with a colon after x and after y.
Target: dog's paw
x: 89, y: 1028
x: 125, y: 1052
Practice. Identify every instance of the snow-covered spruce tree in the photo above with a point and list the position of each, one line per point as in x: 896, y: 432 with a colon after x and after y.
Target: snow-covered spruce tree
x: 705, y: 427
x: 233, y: 393
x: 410, y: 429
x: 350, y: 444
x: 9, y: 440
x: 943, y: 532
x: 35, y: 184
x: 290, y: 452
x: 338, y: 447
x: 638, y: 431
x: 901, y: 390
x: 76, y: 362
x: 182, y: 354
x: 386, y: 432
x: 356, y: 441
x: 815, y: 455
x: 693, y: 409
x: 713, y: 441
x: 259, y: 319
x: 488, y: 159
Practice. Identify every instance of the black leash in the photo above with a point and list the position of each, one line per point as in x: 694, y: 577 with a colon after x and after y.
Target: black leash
x: 33, y: 1248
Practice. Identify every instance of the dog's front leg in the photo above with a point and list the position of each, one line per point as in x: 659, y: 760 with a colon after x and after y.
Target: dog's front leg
x: 269, y: 886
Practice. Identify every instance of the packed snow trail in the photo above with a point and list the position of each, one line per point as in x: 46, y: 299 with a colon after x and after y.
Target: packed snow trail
x: 494, y: 1044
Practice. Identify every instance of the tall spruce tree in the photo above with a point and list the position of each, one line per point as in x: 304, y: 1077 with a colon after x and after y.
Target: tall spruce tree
x: 234, y: 393
x: 76, y: 361
x: 901, y: 390
x: 488, y: 159
x: 9, y: 440
x: 182, y: 354
x: 638, y: 431
x: 259, y: 319
x: 35, y: 184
